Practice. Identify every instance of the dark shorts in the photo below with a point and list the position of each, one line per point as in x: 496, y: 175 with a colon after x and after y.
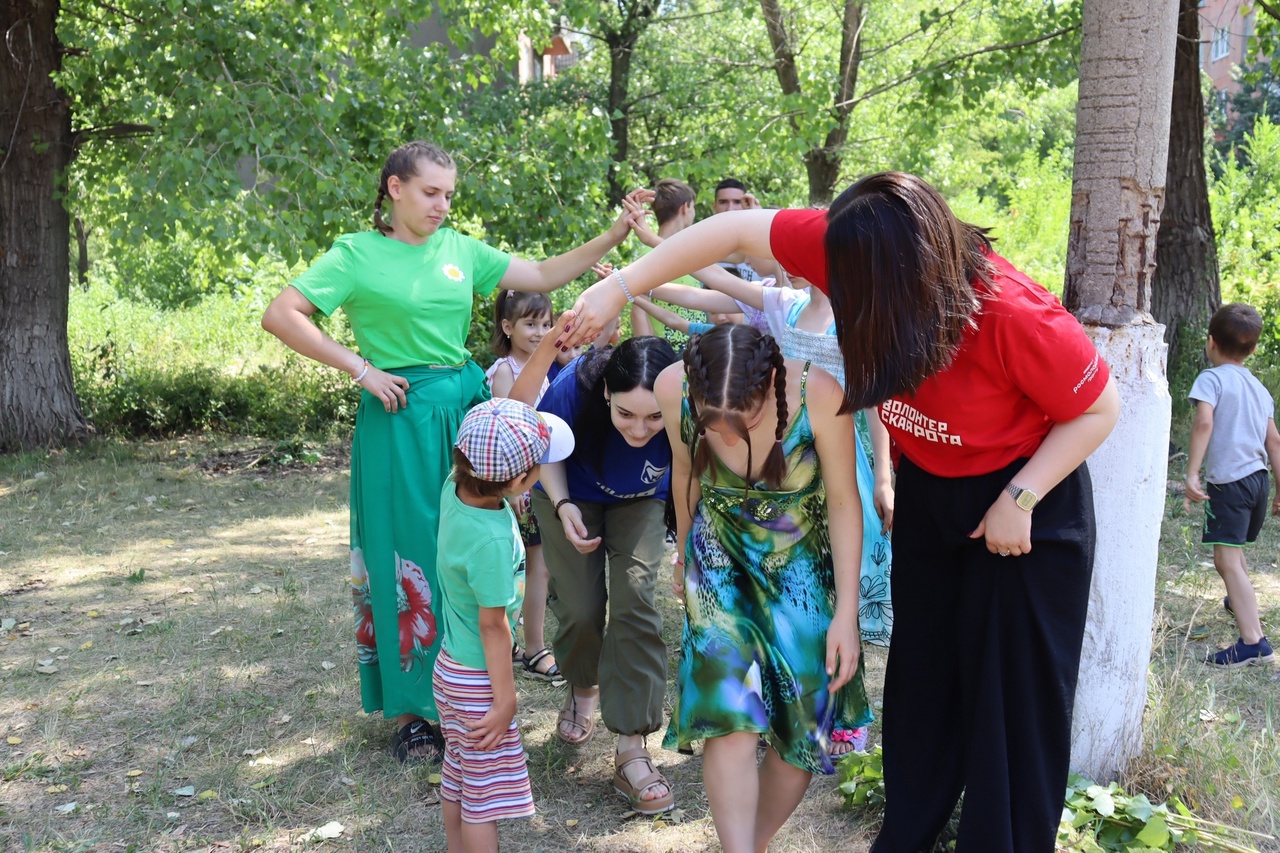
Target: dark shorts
x: 1236, y: 510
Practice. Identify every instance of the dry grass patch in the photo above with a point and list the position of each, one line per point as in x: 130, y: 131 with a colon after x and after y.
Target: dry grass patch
x: 179, y: 666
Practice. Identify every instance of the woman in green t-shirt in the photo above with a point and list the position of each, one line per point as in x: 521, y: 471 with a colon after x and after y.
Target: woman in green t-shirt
x: 407, y: 289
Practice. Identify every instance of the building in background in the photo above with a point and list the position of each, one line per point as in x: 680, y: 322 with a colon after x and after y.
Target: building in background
x: 1225, y: 29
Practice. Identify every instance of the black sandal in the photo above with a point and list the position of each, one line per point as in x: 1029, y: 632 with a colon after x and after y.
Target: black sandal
x: 415, y: 735
x: 531, y: 666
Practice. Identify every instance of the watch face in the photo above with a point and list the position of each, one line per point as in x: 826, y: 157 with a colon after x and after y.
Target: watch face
x: 1027, y: 500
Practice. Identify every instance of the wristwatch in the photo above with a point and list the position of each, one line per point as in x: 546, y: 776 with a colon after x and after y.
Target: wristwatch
x: 1024, y: 498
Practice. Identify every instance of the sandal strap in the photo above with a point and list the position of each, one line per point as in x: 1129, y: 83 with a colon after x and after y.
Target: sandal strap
x: 623, y: 760
x: 531, y: 663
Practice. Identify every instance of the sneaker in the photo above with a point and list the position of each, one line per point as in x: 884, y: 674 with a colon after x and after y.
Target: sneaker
x: 1243, y: 654
x: 1226, y: 605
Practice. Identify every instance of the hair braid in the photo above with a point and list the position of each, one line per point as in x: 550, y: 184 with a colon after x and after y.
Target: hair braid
x: 775, y: 464
x: 378, y: 222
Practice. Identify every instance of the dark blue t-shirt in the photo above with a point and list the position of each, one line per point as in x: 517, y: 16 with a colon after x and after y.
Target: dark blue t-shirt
x: 626, y: 471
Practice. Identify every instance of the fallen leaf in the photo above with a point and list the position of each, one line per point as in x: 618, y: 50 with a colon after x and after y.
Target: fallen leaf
x: 257, y: 590
x: 93, y: 614
x: 184, y: 791
x: 252, y: 752
x: 133, y: 773
x: 66, y: 808
x: 1207, y: 716
x: 349, y: 782
x: 55, y: 789
x: 209, y: 794
x: 332, y: 829
x: 571, y: 822
x: 1237, y: 802
x: 45, y: 662
x: 310, y: 741
x: 434, y: 779
x: 48, y: 669
x: 327, y: 664
x: 14, y: 741
x: 189, y: 741
x: 258, y: 786
x: 86, y: 645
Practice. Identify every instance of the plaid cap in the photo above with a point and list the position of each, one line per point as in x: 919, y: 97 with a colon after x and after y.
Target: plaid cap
x: 503, y: 439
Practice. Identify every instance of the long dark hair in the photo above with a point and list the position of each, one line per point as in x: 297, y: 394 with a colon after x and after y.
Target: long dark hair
x: 730, y: 370
x: 902, y: 271
x: 514, y: 305
x: 634, y: 363
x: 403, y: 163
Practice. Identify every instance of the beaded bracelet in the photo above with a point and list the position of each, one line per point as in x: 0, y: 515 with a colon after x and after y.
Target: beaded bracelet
x: 561, y: 503
x: 623, y: 285
x: 363, y: 373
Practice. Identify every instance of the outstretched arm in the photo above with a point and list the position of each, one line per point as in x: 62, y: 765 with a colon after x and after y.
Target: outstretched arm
x: 547, y: 275
x: 666, y: 317
x: 529, y: 382
x: 698, y: 246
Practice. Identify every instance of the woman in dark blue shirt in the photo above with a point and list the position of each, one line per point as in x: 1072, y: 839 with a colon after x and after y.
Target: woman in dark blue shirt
x: 601, y: 513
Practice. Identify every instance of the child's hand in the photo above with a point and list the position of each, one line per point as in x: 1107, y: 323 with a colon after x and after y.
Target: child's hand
x: 843, y: 649
x: 1194, y: 491
x: 495, y: 722
x: 603, y: 270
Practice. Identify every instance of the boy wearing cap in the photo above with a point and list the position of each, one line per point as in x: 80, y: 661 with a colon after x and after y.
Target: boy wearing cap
x: 499, y: 448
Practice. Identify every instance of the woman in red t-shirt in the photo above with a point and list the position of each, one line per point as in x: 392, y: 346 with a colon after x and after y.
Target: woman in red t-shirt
x: 994, y: 397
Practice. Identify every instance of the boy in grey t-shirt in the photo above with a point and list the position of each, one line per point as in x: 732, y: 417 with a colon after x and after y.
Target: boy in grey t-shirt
x: 1234, y: 434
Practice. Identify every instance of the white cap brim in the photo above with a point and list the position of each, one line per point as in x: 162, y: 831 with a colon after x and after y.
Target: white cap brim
x: 562, y: 442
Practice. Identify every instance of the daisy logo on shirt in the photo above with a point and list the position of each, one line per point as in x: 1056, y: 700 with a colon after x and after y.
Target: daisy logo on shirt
x: 452, y: 272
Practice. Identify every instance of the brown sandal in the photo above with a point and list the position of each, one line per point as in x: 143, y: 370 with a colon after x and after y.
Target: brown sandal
x: 586, y: 723
x: 632, y: 792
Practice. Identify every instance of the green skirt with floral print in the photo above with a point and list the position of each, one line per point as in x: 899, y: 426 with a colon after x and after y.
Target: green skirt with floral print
x: 399, y: 463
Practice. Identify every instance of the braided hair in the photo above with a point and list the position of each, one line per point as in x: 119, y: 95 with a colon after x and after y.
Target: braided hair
x: 730, y: 369
x: 403, y: 163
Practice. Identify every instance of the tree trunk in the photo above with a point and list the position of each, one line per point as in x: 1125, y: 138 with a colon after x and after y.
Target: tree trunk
x: 1186, y: 291
x: 1122, y: 137
x: 622, y: 45
x: 38, y: 405
x: 821, y: 163
x: 82, y: 257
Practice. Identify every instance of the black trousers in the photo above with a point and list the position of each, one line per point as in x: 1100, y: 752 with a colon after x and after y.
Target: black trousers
x: 982, y: 665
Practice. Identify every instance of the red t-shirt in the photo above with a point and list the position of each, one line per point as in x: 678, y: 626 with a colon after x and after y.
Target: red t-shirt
x: 1027, y: 366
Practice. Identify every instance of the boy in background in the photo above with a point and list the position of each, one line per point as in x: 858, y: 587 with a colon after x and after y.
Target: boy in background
x: 1234, y: 434
x: 500, y: 447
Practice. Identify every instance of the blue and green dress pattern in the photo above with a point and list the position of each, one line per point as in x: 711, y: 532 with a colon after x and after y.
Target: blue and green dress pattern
x: 759, y: 596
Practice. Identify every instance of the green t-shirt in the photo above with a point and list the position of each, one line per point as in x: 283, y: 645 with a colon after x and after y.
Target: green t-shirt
x: 408, y: 305
x: 479, y: 553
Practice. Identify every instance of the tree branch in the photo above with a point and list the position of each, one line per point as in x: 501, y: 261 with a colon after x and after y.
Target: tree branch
x: 1273, y: 11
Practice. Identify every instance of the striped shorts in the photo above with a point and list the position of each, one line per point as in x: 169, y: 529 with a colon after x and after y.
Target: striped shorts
x: 489, y: 784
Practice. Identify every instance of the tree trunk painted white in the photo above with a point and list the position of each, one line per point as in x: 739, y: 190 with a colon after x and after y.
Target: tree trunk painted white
x: 1122, y: 139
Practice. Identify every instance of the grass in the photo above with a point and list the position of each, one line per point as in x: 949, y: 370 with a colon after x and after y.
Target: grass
x: 192, y: 596
x: 193, y: 599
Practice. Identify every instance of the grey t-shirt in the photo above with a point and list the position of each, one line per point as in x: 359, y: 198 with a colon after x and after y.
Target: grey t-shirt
x: 1241, y: 408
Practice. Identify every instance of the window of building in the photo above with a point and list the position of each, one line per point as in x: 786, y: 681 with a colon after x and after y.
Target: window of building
x: 1221, y: 44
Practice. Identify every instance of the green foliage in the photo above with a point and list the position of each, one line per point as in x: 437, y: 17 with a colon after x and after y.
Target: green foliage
x: 1095, y: 818
x: 862, y: 779
x: 1246, y: 216
x: 145, y: 371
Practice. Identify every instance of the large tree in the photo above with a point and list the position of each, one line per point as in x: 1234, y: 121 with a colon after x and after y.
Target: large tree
x: 38, y: 405
x: 1122, y: 136
x: 1185, y: 290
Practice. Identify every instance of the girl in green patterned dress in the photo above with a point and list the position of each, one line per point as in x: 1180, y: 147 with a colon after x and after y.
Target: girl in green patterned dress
x: 769, y: 574
x: 407, y: 288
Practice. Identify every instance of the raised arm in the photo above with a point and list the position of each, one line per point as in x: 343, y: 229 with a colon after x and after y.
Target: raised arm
x: 644, y: 308
x: 695, y: 298
x: 698, y: 246
x: 529, y: 382
x: 547, y: 275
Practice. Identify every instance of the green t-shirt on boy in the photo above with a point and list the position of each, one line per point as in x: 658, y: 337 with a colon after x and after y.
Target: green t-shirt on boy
x: 408, y: 305
x: 479, y: 553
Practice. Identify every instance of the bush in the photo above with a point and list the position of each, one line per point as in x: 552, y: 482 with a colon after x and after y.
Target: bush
x: 146, y: 371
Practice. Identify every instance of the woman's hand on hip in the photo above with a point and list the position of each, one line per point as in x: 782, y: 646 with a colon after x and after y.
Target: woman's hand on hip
x: 1006, y: 527
x: 575, y: 531
x: 387, y: 387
